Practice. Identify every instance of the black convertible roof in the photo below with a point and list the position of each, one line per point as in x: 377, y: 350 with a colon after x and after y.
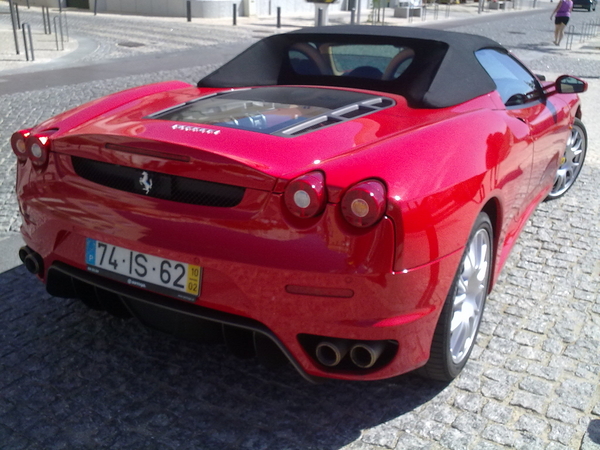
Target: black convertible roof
x: 444, y: 71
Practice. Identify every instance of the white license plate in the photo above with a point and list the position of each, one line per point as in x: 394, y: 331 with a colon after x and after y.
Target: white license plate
x: 165, y: 276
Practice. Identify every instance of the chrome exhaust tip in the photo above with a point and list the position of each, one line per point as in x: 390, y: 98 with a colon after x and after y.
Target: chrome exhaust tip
x: 366, y: 354
x: 33, y: 262
x: 331, y: 352
x: 24, y: 252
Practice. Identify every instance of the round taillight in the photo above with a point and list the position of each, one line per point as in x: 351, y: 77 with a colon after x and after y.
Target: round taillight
x: 19, y: 145
x: 306, y: 195
x: 364, y: 203
x: 37, y: 149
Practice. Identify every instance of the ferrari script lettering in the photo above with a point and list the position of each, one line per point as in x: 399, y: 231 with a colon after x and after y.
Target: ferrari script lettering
x: 136, y: 283
x: 195, y: 129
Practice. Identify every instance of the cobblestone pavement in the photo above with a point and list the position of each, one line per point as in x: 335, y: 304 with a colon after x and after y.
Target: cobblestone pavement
x: 71, y: 378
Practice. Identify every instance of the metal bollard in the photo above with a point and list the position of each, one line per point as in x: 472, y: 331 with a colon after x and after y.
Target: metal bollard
x: 56, y: 31
x: 279, y: 17
x: 234, y: 14
x: 28, y: 28
x: 189, y: 10
x: 14, y: 25
x: 95, y: 7
x: 60, y: 6
x: 17, y: 14
x: 447, y: 10
x: 436, y: 10
x: 352, y: 14
x: 46, y: 19
x: 320, y: 17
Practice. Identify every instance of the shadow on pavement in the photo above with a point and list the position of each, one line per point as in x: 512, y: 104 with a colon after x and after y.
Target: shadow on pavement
x: 71, y: 377
x: 593, y: 431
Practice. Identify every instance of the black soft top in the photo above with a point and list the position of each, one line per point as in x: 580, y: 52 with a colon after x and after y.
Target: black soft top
x: 444, y: 71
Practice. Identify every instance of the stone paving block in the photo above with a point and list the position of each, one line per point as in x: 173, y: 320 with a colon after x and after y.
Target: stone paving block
x: 497, y: 412
x: 454, y: 439
x: 532, y: 424
x: 536, y: 386
x: 561, y: 433
x: 529, y: 401
x: 562, y: 413
x: 382, y: 436
x: 500, y: 434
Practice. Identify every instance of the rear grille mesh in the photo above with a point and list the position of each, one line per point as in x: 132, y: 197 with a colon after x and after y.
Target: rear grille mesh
x: 158, y: 185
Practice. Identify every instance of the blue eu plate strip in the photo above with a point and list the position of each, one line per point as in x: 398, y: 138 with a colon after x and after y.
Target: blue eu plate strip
x: 90, y: 252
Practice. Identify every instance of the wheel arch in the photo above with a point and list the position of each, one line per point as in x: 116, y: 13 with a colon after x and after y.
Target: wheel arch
x: 494, y: 211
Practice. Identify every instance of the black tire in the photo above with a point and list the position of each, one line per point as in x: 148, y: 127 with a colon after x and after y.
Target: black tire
x: 572, y: 161
x: 448, y: 354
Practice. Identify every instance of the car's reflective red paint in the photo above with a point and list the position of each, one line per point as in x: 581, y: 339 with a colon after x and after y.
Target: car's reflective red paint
x: 440, y: 167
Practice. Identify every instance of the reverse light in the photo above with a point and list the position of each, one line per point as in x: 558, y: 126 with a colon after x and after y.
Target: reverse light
x: 18, y: 142
x: 306, y: 195
x: 38, y: 149
x: 364, y: 204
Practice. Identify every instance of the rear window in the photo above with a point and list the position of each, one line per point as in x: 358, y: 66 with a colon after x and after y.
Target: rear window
x: 371, y: 61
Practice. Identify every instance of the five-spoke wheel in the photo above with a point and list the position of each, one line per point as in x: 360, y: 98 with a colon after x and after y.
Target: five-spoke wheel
x: 572, y: 161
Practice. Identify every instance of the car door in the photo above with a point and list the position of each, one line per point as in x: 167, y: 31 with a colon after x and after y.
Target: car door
x: 514, y: 168
x: 525, y: 101
x: 550, y: 131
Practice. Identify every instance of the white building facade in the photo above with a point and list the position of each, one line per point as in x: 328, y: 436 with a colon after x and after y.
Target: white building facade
x: 199, y: 8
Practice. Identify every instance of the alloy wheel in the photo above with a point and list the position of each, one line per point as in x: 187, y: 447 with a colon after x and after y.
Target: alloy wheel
x: 469, y: 299
x: 572, y: 161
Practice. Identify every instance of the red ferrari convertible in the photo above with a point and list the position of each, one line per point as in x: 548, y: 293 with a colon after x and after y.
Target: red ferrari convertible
x: 342, y: 197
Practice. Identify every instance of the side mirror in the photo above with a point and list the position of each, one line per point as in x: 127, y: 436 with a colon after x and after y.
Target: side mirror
x: 515, y: 100
x: 567, y: 84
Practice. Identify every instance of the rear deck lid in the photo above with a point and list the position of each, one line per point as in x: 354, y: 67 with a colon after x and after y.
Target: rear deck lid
x: 280, y: 111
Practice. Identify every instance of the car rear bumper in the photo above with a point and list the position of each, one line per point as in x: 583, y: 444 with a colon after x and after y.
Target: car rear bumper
x: 296, y: 287
x: 400, y: 309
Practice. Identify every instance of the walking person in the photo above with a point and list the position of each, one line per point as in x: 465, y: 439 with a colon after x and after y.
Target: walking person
x: 561, y: 14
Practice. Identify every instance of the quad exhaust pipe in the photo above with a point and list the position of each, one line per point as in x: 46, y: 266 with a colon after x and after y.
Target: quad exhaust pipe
x: 33, y: 261
x: 363, y: 354
x: 331, y: 352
